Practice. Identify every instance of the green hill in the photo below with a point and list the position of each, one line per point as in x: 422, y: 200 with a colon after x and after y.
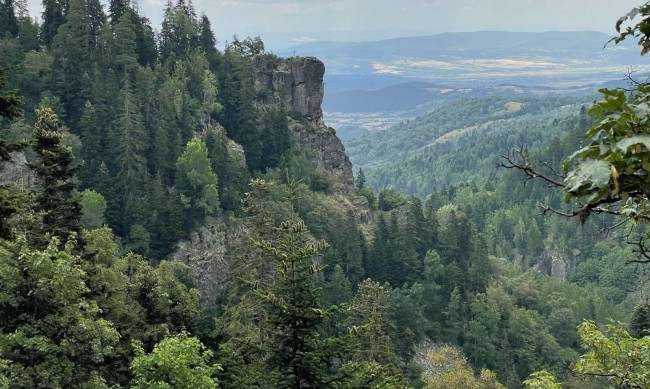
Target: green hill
x: 460, y: 141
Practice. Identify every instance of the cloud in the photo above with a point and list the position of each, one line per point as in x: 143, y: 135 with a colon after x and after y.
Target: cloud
x: 304, y: 39
x: 385, y: 69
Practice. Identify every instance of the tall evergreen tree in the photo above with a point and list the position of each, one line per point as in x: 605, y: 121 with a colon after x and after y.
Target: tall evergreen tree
x: 230, y: 167
x: 9, y: 110
x: 129, y: 137
x: 640, y: 320
x: 275, y: 138
x: 117, y: 9
x: 96, y: 23
x: 208, y: 42
x: 298, y: 356
x: 57, y: 198
x: 71, y: 52
x: 8, y: 20
x: 124, y: 46
x: 53, y: 16
x: 239, y: 116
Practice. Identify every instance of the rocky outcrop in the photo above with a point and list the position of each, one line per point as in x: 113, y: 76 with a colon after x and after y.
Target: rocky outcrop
x: 206, y: 253
x: 297, y: 85
x: 16, y: 171
x: 554, y: 263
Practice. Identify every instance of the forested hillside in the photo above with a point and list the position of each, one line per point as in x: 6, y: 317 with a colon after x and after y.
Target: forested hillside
x: 462, y: 141
x: 173, y: 215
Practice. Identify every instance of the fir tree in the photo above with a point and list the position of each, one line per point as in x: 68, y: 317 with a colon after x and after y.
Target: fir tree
x: 8, y: 21
x: 640, y: 320
x: 53, y: 16
x: 71, y: 52
x: 360, y: 181
x: 298, y: 356
x: 57, y: 198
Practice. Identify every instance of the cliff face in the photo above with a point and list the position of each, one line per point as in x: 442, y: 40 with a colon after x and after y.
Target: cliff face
x: 16, y: 171
x: 297, y: 84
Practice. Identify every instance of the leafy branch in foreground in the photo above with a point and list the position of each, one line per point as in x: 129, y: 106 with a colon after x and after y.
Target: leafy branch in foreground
x: 611, y: 174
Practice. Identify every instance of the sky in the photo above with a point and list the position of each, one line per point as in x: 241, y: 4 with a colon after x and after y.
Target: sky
x: 282, y: 23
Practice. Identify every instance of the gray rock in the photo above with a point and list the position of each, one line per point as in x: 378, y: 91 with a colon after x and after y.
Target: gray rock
x: 297, y: 84
x: 206, y: 253
x: 16, y: 171
x: 554, y: 263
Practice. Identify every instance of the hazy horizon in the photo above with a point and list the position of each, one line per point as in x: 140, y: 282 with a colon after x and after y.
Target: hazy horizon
x: 282, y: 23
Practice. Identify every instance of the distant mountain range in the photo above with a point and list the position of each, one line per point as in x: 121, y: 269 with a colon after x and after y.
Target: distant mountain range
x: 486, y: 53
x: 369, y: 85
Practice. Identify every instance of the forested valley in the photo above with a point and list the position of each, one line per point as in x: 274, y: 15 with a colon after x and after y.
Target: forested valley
x: 178, y: 216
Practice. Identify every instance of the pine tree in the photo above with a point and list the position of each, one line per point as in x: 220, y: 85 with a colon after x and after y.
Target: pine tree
x: 71, y: 52
x: 229, y: 164
x: 360, y: 181
x: 9, y: 110
x: 298, y: 356
x: 97, y: 22
x: 124, y: 46
x: 640, y: 320
x: 92, y: 134
x: 208, y: 42
x: 239, y: 116
x: 117, y: 9
x: 8, y: 20
x: 129, y: 137
x: 57, y: 198
x: 275, y: 138
x: 53, y: 16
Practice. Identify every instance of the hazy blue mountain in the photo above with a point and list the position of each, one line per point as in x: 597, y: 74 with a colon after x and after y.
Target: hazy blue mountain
x: 372, y: 85
x: 405, y: 56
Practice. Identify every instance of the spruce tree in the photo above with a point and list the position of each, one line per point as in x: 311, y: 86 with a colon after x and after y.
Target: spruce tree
x: 57, y: 198
x: 298, y: 356
x: 640, y: 320
x: 124, y: 46
x: 9, y: 110
x: 71, y: 52
x: 360, y: 181
x: 117, y: 9
x: 53, y: 16
x: 8, y: 21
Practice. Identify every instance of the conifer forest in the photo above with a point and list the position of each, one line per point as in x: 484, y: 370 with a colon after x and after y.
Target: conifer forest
x: 175, y: 213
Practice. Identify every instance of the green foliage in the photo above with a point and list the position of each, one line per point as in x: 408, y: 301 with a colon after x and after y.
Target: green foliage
x: 612, y: 354
x: 57, y: 198
x: 639, y: 30
x: 446, y: 367
x: 93, y: 206
x: 51, y: 333
x: 370, y: 375
x: 179, y: 361
x: 360, y: 181
x: 640, y: 320
x: 613, y: 166
x: 541, y: 380
x: 421, y: 155
x: 249, y: 47
x: 197, y: 183
x: 389, y: 199
x: 297, y: 355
